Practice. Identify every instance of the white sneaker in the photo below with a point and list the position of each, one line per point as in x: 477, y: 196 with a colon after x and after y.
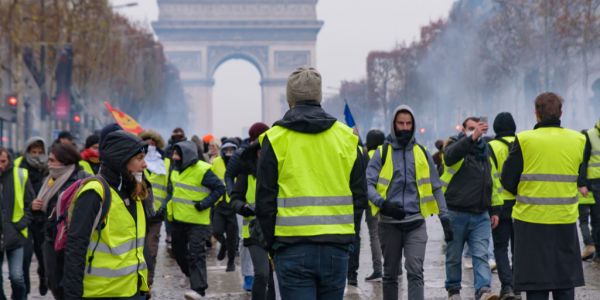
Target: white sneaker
x: 467, y: 263
x: 192, y: 295
x: 492, y: 264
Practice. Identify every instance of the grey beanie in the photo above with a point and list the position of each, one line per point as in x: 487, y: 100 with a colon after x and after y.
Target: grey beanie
x: 304, y: 84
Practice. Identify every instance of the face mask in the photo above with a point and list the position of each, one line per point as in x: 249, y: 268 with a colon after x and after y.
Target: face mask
x: 139, y: 176
x: 38, y: 161
x: 404, y: 136
x: 56, y: 172
x: 151, y: 149
x: 468, y: 133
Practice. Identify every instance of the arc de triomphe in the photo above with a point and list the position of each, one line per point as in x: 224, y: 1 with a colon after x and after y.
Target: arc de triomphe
x: 276, y: 36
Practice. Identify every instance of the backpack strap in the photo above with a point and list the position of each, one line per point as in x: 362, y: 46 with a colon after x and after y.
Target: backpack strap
x: 384, y: 151
x: 99, y: 221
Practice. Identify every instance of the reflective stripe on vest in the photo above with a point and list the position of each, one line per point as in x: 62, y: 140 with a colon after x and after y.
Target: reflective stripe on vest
x: 159, y: 184
x: 314, y: 196
x: 87, y: 168
x: 427, y: 203
x: 501, y: 152
x: 250, y: 200
x: 187, y: 191
x: 20, y: 177
x: 219, y: 168
x: 593, y: 169
x: 547, y: 191
x: 118, y: 263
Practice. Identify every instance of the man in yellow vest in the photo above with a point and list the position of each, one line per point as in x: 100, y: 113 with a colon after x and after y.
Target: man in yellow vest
x: 405, y: 188
x: 310, y: 180
x: 542, y: 170
x: 505, y: 128
x: 195, y: 191
x: 591, y: 184
x: 16, y: 194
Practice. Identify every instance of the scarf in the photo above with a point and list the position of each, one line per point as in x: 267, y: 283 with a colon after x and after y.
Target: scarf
x: 154, y: 161
x: 51, y: 185
x: 39, y: 162
x: 90, y: 155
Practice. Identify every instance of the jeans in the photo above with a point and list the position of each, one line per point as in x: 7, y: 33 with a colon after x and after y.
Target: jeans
x: 152, y: 241
x: 15, y: 271
x: 34, y: 245
x: 263, y: 286
x: 353, y: 262
x: 503, y: 234
x: 373, y: 225
x: 311, y: 271
x: 473, y: 229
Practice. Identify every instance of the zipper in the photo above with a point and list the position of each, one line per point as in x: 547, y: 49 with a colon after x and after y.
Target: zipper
x: 405, y: 171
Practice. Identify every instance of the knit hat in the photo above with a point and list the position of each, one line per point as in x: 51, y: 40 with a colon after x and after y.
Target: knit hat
x: 208, y: 138
x: 304, y: 84
x: 375, y: 138
x: 504, y: 125
x: 65, y: 135
x: 256, y: 130
x: 92, y: 140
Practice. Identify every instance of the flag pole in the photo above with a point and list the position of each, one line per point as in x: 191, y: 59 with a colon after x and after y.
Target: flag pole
x: 355, y: 123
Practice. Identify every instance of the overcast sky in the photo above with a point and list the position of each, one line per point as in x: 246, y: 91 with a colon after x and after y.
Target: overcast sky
x: 352, y: 29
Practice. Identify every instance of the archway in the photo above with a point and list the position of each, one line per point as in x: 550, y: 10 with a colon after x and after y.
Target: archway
x: 236, y: 98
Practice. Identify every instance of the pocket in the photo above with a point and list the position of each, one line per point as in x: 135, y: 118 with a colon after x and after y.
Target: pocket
x: 291, y: 268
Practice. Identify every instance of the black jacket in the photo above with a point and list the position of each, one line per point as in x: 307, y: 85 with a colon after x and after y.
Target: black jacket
x: 36, y: 177
x: 592, y: 184
x: 470, y: 190
x: 12, y: 238
x: 307, y: 117
x: 235, y: 166
x: 246, y: 166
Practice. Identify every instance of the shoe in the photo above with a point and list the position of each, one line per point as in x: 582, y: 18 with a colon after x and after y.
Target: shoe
x: 43, y: 288
x: 588, y: 252
x: 248, y: 281
x: 486, y: 294
x: 353, y: 281
x: 230, y: 265
x: 467, y: 263
x: 492, y: 264
x: 454, y: 295
x: 193, y: 295
x: 506, y: 293
x: 375, y: 276
x: 222, y: 252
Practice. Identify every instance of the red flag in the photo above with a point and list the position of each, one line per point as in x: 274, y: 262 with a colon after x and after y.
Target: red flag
x: 124, y: 120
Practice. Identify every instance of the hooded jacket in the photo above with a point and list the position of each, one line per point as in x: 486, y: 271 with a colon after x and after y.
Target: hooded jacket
x: 189, y: 157
x: 403, y: 185
x: 12, y: 237
x: 305, y: 117
x: 592, y: 184
x: 36, y: 175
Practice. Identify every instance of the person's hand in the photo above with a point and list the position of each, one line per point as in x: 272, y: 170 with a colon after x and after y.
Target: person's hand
x: 200, y: 206
x: 37, y: 204
x: 247, y: 211
x: 584, y: 191
x: 480, y: 130
x: 392, y: 210
x: 448, y: 232
x: 495, y: 221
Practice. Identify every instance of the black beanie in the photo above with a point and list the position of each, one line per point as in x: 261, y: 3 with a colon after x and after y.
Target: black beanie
x: 504, y: 125
x: 375, y: 138
x: 92, y: 140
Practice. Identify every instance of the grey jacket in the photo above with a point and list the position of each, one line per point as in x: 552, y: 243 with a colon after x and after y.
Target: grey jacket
x: 403, y: 186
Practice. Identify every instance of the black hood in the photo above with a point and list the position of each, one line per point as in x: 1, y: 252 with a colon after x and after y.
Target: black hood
x: 117, y: 148
x: 504, y: 125
x: 188, y: 152
x: 375, y: 138
x: 307, y: 117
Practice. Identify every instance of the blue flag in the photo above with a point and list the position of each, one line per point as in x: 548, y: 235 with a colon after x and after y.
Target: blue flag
x: 348, y: 115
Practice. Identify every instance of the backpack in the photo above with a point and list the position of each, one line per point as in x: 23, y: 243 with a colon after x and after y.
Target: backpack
x: 64, y: 209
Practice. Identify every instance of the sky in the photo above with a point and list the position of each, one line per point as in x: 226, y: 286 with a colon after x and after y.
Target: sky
x: 352, y: 29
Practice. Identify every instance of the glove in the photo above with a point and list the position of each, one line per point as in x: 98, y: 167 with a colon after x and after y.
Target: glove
x: 392, y: 210
x: 247, y: 211
x: 448, y: 233
x: 200, y: 206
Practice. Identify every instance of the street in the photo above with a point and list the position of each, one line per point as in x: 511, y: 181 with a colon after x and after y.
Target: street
x: 222, y: 285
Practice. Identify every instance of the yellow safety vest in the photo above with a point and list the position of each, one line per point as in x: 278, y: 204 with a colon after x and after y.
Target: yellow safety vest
x: 20, y: 177
x: 589, y: 200
x: 187, y: 191
x: 117, y: 268
x: 250, y: 199
x: 497, y: 188
x: 427, y: 204
x: 86, y: 167
x: 314, y: 196
x: 17, y: 162
x: 593, y: 170
x: 159, y: 185
x: 547, y: 191
x: 501, y: 152
x: 219, y: 168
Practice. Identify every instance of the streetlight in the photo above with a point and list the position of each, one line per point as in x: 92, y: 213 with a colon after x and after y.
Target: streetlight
x: 130, y: 4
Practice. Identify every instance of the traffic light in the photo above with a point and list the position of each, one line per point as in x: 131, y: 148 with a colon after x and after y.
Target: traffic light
x: 12, y: 101
x: 77, y: 118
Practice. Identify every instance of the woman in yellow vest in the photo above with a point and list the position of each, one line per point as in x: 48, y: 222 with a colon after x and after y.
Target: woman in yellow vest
x: 195, y: 190
x: 110, y: 263
x: 542, y: 170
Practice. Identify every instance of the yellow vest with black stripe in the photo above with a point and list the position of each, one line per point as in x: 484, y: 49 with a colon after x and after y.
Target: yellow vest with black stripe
x: 187, y: 191
x: 117, y: 268
x: 20, y: 177
x: 497, y: 189
x: 589, y: 200
x: 250, y: 199
x: 593, y: 170
x: 86, y: 167
x: 219, y: 168
x: 427, y: 202
x: 159, y: 184
x: 501, y: 152
x: 547, y: 191
x: 314, y: 196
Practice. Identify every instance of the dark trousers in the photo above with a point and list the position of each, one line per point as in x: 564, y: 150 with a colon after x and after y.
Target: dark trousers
x: 189, y: 247
x: 34, y: 245
x: 225, y: 230
x: 568, y: 294
x: 152, y: 241
x: 263, y: 286
x: 54, y: 263
x: 353, y: 262
x: 311, y: 271
x: 587, y: 213
x: 503, y: 234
